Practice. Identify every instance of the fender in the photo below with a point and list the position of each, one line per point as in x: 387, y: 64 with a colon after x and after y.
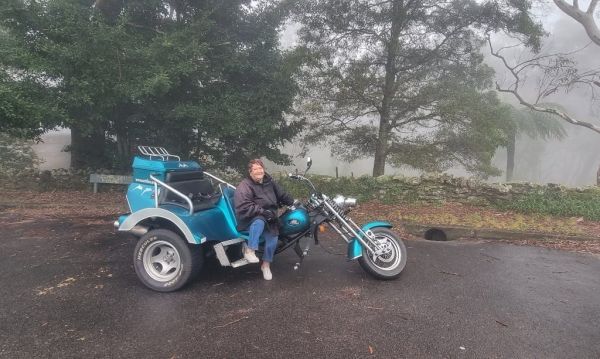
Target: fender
x: 354, y: 246
x: 135, y: 218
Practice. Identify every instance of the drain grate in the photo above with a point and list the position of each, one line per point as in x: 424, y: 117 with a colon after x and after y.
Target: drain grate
x: 435, y: 234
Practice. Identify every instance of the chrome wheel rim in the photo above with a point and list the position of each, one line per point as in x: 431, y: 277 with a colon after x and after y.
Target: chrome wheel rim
x: 162, y: 261
x: 391, y: 256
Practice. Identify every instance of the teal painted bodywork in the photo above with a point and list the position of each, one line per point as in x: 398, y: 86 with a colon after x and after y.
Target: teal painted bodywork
x: 355, y: 247
x: 140, y: 196
x: 212, y: 224
x: 294, y: 222
x: 143, y: 168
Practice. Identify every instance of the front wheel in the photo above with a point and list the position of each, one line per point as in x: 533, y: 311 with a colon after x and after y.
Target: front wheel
x: 163, y: 261
x: 390, y: 263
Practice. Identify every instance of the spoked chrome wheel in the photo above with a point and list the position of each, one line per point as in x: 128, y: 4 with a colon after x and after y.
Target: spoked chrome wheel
x: 389, y: 254
x: 162, y: 261
x: 389, y: 259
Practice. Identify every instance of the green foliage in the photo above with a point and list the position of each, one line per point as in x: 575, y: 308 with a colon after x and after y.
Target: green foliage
x: 433, y: 190
x: 17, y: 162
x: 363, y: 188
x: 202, y: 78
x: 536, y: 124
x: 16, y: 156
x: 558, y: 203
x: 405, y: 81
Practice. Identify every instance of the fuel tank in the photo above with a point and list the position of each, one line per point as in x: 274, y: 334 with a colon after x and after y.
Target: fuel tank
x: 293, y: 221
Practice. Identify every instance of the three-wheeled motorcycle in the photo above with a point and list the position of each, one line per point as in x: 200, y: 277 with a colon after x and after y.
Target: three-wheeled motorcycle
x: 180, y: 213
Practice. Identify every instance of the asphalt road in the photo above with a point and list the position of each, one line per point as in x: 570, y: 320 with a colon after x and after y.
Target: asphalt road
x: 69, y: 291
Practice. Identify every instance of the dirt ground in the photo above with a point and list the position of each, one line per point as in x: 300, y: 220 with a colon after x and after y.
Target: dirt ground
x: 91, y: 211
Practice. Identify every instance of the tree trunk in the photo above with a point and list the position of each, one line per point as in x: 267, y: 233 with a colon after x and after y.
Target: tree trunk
x: 77, y: 142
x: 123, y: 149
x: 381, y: 148
x: 87, y: 150
x: 510, y: 156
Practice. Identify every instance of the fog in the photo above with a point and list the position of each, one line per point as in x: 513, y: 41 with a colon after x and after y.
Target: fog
x: 572, y: 161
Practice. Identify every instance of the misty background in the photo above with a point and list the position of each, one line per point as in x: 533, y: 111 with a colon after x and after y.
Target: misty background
x: 572, y: 161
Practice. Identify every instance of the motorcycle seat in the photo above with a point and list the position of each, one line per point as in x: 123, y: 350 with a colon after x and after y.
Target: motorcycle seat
x: 192, y: 184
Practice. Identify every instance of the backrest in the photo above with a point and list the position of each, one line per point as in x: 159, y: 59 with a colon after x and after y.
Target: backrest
x: 190, y: 183
x: 177, y: 176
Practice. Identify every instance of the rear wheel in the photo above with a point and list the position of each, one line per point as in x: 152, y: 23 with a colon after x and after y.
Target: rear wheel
x: 164, y: 262
x: 391, y: 261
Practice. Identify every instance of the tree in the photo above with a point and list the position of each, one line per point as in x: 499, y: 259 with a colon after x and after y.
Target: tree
x: 26, y: 109
x: 16, y: 157
x: 553, y: 73
x: 202, y: 78
x: 559, y: 72
x: 585, y: 18
x: 534, y: 125
x: 404, y: 81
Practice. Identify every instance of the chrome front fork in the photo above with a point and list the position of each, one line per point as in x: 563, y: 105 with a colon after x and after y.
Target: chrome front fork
x: 350, y: 229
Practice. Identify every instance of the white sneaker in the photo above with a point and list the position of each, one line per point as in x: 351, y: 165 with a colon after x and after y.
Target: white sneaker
x: 250, y: 256
x: 266, y: 273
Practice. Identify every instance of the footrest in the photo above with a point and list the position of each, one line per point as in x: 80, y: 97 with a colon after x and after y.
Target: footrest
x: 239, y: 263
x: 222, y: 254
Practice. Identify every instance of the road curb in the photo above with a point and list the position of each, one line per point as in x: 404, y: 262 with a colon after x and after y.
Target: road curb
x: 447, y: 232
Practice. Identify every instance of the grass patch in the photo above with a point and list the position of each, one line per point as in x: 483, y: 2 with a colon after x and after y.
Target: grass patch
x: 584, y: 204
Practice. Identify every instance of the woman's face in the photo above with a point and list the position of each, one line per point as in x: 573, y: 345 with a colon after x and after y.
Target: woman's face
x: 257, y: 173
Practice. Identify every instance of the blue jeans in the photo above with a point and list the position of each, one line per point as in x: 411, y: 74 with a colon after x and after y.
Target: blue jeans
x: 257, y: 227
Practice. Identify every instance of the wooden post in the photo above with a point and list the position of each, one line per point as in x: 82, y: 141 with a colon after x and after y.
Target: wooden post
x: 336, y: 172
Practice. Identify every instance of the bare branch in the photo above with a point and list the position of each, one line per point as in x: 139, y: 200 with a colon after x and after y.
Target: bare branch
x: 585, y: 18
x: 533, y: 106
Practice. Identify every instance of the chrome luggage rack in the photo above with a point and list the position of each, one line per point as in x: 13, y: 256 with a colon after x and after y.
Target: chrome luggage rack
x: 164, y: 155
x: 157, y: 152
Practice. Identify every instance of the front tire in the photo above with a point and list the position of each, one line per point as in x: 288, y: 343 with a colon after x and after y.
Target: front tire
x: 390, y: 264
x: 164, y: 262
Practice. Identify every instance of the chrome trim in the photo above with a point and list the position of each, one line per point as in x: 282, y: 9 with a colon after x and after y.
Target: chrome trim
x: 186, y: 198
x: 348, y: 227
x: 135, y: 218
x: 155, y: 193
x: 151, y: 151
x: 128, y: 204
x: 220, y: 180
x: 339, y: 232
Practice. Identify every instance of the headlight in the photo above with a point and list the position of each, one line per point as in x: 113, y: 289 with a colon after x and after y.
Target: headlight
x: 342, y: 201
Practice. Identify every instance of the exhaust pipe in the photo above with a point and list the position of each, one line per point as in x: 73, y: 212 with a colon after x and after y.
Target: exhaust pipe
x: 138, y: 230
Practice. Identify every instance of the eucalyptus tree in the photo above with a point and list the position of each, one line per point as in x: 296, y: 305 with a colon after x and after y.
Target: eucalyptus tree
x: 533, y: 124
x: 404, y: 81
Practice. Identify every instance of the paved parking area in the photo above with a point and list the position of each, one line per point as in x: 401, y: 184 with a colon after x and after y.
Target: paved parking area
x: 69, y: 291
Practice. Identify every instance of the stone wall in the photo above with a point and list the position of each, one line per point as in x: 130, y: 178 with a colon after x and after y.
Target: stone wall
x: 431, y: 188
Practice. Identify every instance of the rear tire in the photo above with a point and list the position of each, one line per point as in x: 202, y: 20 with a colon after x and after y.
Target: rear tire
x: 164, y: 262
x: 389, y: 265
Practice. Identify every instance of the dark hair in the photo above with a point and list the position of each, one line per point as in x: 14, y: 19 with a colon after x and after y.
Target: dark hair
x: 255, y: 161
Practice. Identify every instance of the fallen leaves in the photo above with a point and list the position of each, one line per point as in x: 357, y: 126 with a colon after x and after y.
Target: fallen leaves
x: 502, y: 324
x: 64, y: 283
x: 451, y: 273
x: 232, y: 322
